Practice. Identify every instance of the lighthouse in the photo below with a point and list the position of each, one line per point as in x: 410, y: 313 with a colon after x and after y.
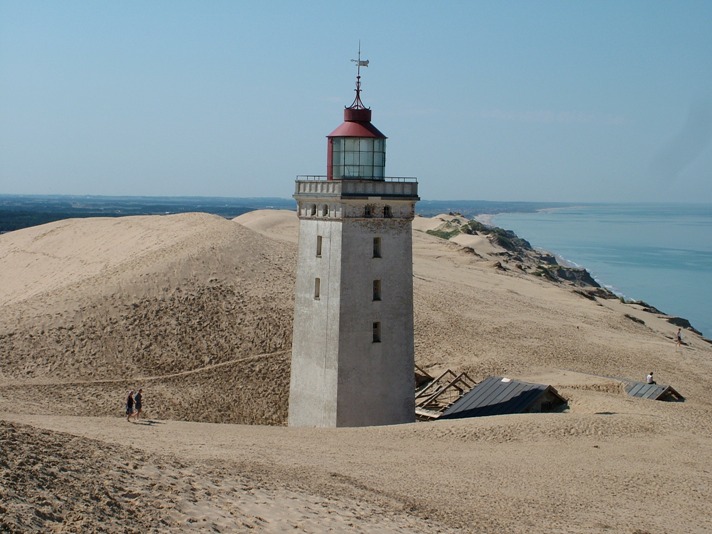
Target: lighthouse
x: 352, y: 351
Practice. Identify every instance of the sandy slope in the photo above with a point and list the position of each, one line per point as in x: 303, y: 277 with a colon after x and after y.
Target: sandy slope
x: 192, y: 292
x: 197, y: 311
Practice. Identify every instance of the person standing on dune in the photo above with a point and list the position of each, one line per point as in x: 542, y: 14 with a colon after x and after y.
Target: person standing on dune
x: 129, y: 405
x: 138, y: 403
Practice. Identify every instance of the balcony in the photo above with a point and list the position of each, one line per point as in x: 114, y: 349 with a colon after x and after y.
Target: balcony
x: 319, y: 186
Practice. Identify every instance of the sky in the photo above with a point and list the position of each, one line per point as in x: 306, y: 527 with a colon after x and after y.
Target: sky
x: 605, y: 101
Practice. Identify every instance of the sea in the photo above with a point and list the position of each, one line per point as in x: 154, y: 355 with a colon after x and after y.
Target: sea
x: 657, y: 253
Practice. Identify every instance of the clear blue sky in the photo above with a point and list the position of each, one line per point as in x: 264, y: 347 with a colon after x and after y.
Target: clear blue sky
x: 496, y: 100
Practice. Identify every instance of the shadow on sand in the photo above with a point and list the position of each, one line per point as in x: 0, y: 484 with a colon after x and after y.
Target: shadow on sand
x: 147, y: 422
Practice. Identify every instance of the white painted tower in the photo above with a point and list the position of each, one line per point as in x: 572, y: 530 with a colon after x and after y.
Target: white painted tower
x: 352, y: 352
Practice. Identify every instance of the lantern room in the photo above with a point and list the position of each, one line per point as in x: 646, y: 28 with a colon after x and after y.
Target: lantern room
x: 356, y: 150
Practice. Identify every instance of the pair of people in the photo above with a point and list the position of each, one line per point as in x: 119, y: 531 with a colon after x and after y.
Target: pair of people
x: 134, y: 404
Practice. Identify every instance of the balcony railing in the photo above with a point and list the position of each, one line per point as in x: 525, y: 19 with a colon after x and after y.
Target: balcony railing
x: 318, y: 178
x: 392, y: 186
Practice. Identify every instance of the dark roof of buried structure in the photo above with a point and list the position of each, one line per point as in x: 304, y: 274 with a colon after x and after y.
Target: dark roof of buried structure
x: 653, y: 391
x: 498, y: 396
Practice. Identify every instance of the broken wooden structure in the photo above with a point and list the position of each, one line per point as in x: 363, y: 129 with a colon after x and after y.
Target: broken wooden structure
x: 437, y: 394
x: 451, y: 396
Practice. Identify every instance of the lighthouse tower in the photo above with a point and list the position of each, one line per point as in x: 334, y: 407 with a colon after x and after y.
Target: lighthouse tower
x: 352, y: 351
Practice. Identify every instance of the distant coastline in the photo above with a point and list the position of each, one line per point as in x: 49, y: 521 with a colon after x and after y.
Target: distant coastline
x: 657, y: 253
x: 22, y: 211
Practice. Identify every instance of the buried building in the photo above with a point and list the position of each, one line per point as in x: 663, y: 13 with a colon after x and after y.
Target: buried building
x: 653, y: 392
x: 500, y: 396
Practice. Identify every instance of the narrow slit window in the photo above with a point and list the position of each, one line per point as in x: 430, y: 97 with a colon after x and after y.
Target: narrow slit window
x: 317, y: 288
x: 377, y: 332
x: 376, y: 247
x: 376, y: 290
x: 318, y: 246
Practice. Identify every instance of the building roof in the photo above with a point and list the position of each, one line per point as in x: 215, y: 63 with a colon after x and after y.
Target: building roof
x: 357, y: 129
x: 652, y: 391
x: 498, y: 396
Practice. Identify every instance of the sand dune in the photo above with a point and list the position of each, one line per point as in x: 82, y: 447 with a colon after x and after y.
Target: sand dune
x: 193, y: 291
x: 281, y: 225
x: 197, y: 310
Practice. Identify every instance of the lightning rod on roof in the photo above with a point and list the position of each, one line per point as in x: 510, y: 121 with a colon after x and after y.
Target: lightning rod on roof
x: 357, y: 104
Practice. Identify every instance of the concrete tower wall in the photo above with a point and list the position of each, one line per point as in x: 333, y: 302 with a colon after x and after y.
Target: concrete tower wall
x: 315, y: 346
x: 345, y: 370
x: 375, y: 376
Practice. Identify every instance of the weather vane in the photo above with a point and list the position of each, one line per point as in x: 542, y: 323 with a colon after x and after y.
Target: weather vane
x: 360, y: 62
x: 357, y: 104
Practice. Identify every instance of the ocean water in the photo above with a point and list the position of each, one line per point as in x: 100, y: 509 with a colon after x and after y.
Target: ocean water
x: 658, y: 253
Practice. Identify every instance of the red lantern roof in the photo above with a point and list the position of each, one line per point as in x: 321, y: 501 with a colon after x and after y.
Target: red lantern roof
x: 352, y: 128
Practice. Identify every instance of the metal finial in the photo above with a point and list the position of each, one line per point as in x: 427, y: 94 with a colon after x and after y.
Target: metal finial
x: 357, y: 104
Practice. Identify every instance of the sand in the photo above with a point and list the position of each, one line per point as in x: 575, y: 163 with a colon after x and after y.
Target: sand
x: 197, y: 310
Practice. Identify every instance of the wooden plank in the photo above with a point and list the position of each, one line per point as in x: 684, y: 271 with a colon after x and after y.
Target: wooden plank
x: 435, y: 382
x: 423, y: 372
x: 430, y: 414
x: 441, y: 391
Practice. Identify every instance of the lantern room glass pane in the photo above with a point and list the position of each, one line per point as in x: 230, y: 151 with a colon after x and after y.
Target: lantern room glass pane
x: 356, y: 157
x: 366, y: 145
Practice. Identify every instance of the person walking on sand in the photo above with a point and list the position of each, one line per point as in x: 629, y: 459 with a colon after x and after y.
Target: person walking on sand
x: 138, y: 404
x: 129, y: 405
x: 678, y: 337
x: 649, y: 379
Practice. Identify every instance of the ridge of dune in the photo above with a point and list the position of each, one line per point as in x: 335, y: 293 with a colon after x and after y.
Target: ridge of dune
x: 197, y: 310
x: 276, y: 224
x: 53, y: 256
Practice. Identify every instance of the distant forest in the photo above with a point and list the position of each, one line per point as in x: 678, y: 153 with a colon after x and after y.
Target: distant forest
x: 22, y: 211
